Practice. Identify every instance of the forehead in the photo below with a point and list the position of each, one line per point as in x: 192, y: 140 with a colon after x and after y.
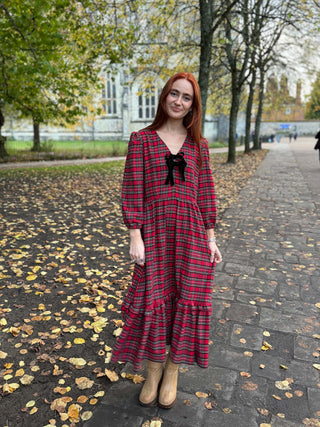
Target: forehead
x: 183, y: 86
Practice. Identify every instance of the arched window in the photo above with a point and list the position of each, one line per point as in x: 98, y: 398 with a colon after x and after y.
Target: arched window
x: 147, y: 102
x: 109, y: 95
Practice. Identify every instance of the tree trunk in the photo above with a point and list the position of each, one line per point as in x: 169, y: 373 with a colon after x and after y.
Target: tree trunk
x: 3, y: 151
x: 206, y: 21
x: 257, y: 141
x: 233, y: 120
x: 36, y: 136
x: 249, y: 112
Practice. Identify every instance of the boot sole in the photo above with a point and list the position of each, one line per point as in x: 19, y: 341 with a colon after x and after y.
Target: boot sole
x: 167, y: 406
x: 149, y: 404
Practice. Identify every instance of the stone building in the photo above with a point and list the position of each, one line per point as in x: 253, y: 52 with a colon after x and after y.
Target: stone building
x: 126, y: 105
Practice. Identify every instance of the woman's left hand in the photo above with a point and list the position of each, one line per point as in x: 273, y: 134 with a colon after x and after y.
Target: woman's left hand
x: 215, y: 253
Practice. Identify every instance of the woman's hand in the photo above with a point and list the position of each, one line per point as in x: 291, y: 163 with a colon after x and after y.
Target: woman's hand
x: 215, y: 253
x: 137, y: 249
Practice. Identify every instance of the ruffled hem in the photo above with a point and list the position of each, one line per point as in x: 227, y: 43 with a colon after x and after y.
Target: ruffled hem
x: 182, y: 324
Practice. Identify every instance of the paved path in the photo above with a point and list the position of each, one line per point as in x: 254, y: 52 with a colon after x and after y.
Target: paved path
x: 266, y: 290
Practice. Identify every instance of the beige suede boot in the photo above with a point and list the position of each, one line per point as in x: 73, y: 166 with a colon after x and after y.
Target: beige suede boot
x: 149, y: 392
x: 168, y: 390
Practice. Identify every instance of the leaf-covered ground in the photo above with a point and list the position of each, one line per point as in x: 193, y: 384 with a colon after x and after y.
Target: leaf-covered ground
x: 64, y: 268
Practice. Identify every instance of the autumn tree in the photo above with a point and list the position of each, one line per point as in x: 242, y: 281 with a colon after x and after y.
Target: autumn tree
x: 53, y: 51
x: 313, y: 105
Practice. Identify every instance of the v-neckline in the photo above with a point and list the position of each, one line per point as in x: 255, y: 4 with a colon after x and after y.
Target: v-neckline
x: 168, y: 149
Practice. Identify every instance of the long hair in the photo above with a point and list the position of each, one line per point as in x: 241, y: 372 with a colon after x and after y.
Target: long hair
x: 192, y: 121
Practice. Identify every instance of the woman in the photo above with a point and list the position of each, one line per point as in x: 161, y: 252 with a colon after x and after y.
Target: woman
x: 169, y: 206
x: 317, y: 146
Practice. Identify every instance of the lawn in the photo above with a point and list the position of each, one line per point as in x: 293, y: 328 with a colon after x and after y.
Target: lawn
x: 21, y: 150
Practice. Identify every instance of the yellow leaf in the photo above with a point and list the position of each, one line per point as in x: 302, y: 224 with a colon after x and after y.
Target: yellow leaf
x: 30, y: 404
x: 79, y: 341
x: 113, y: 377
x: 93, y: 401
x: 36, y: 268
x: 317, y: 366
x: 3, y: 322
x: 33, y: 410
x: 283, y: 385
x: 77, y: 362
x: 80, y: 280
x: 99, y: 394
x: 283, y: 367
x: 3, y: 355
x: 73, y: 411
x: 31, y: 277
x: 14, y: 331
x: 86, y: 415
x: 117, y: 332
x: 19, y: 373
x: 276, y: 397
x: 26, y: 379
x: 226, y: 410
x: 200, y: 394
x: 61, y: 390
x: 317, y: 304
x: 266, y: 346
x: 82, y: 399
x: 83, y: 383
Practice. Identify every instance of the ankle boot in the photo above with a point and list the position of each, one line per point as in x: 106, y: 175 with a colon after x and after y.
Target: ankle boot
x: 149, y: 392
x: 168, y: 390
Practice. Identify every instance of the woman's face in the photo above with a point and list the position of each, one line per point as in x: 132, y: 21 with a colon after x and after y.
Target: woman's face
x: 179, y: 100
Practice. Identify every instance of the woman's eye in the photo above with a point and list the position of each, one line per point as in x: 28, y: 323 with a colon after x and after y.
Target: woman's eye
x: 173, y: 93
x: 186, y: 98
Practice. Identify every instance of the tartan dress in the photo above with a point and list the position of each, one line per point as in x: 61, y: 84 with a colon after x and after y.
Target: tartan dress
x: 169, y: 301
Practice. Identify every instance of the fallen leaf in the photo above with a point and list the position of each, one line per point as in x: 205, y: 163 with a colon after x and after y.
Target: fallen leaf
x: 73, y: 412
x: 85, y: 416
x: 84, y: 383
x: 266, y: 346
x: 200, y: 394
x: 113, y: 376
x: 283, y: 367
x: 276, y: 397
x: 317, y: 366
x: 26, y: 379
x: 283, y: 385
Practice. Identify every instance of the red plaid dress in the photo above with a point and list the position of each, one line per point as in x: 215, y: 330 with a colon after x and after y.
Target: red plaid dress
x: 169, y: 301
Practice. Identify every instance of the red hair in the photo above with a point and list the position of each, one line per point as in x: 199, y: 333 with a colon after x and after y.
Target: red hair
x: 192, y: 121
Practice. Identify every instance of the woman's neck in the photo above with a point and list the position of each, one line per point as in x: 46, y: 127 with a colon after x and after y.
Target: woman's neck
x: 173, y: 127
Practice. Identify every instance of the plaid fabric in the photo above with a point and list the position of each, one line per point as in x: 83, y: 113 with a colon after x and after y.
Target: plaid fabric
x: 169, y: 301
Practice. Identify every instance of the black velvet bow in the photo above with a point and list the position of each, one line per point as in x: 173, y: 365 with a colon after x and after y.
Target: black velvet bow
x: 173, y: 160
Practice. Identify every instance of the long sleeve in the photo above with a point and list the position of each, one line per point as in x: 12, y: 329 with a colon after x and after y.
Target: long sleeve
x: 133, y: 184
x: 206, y: 194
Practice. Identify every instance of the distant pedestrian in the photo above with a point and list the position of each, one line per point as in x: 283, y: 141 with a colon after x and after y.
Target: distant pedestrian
x: 169, y: 205
x: 295, y: 136
x: 317, y: 146
x: 290, y: 137
x: 278, y: 137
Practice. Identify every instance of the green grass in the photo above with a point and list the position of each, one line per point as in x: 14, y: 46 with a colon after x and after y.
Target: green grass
x: 217, y: 144
x: 21, y: 150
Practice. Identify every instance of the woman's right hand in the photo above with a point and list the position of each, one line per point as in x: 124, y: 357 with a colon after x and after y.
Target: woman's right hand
x: 137, y: 249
